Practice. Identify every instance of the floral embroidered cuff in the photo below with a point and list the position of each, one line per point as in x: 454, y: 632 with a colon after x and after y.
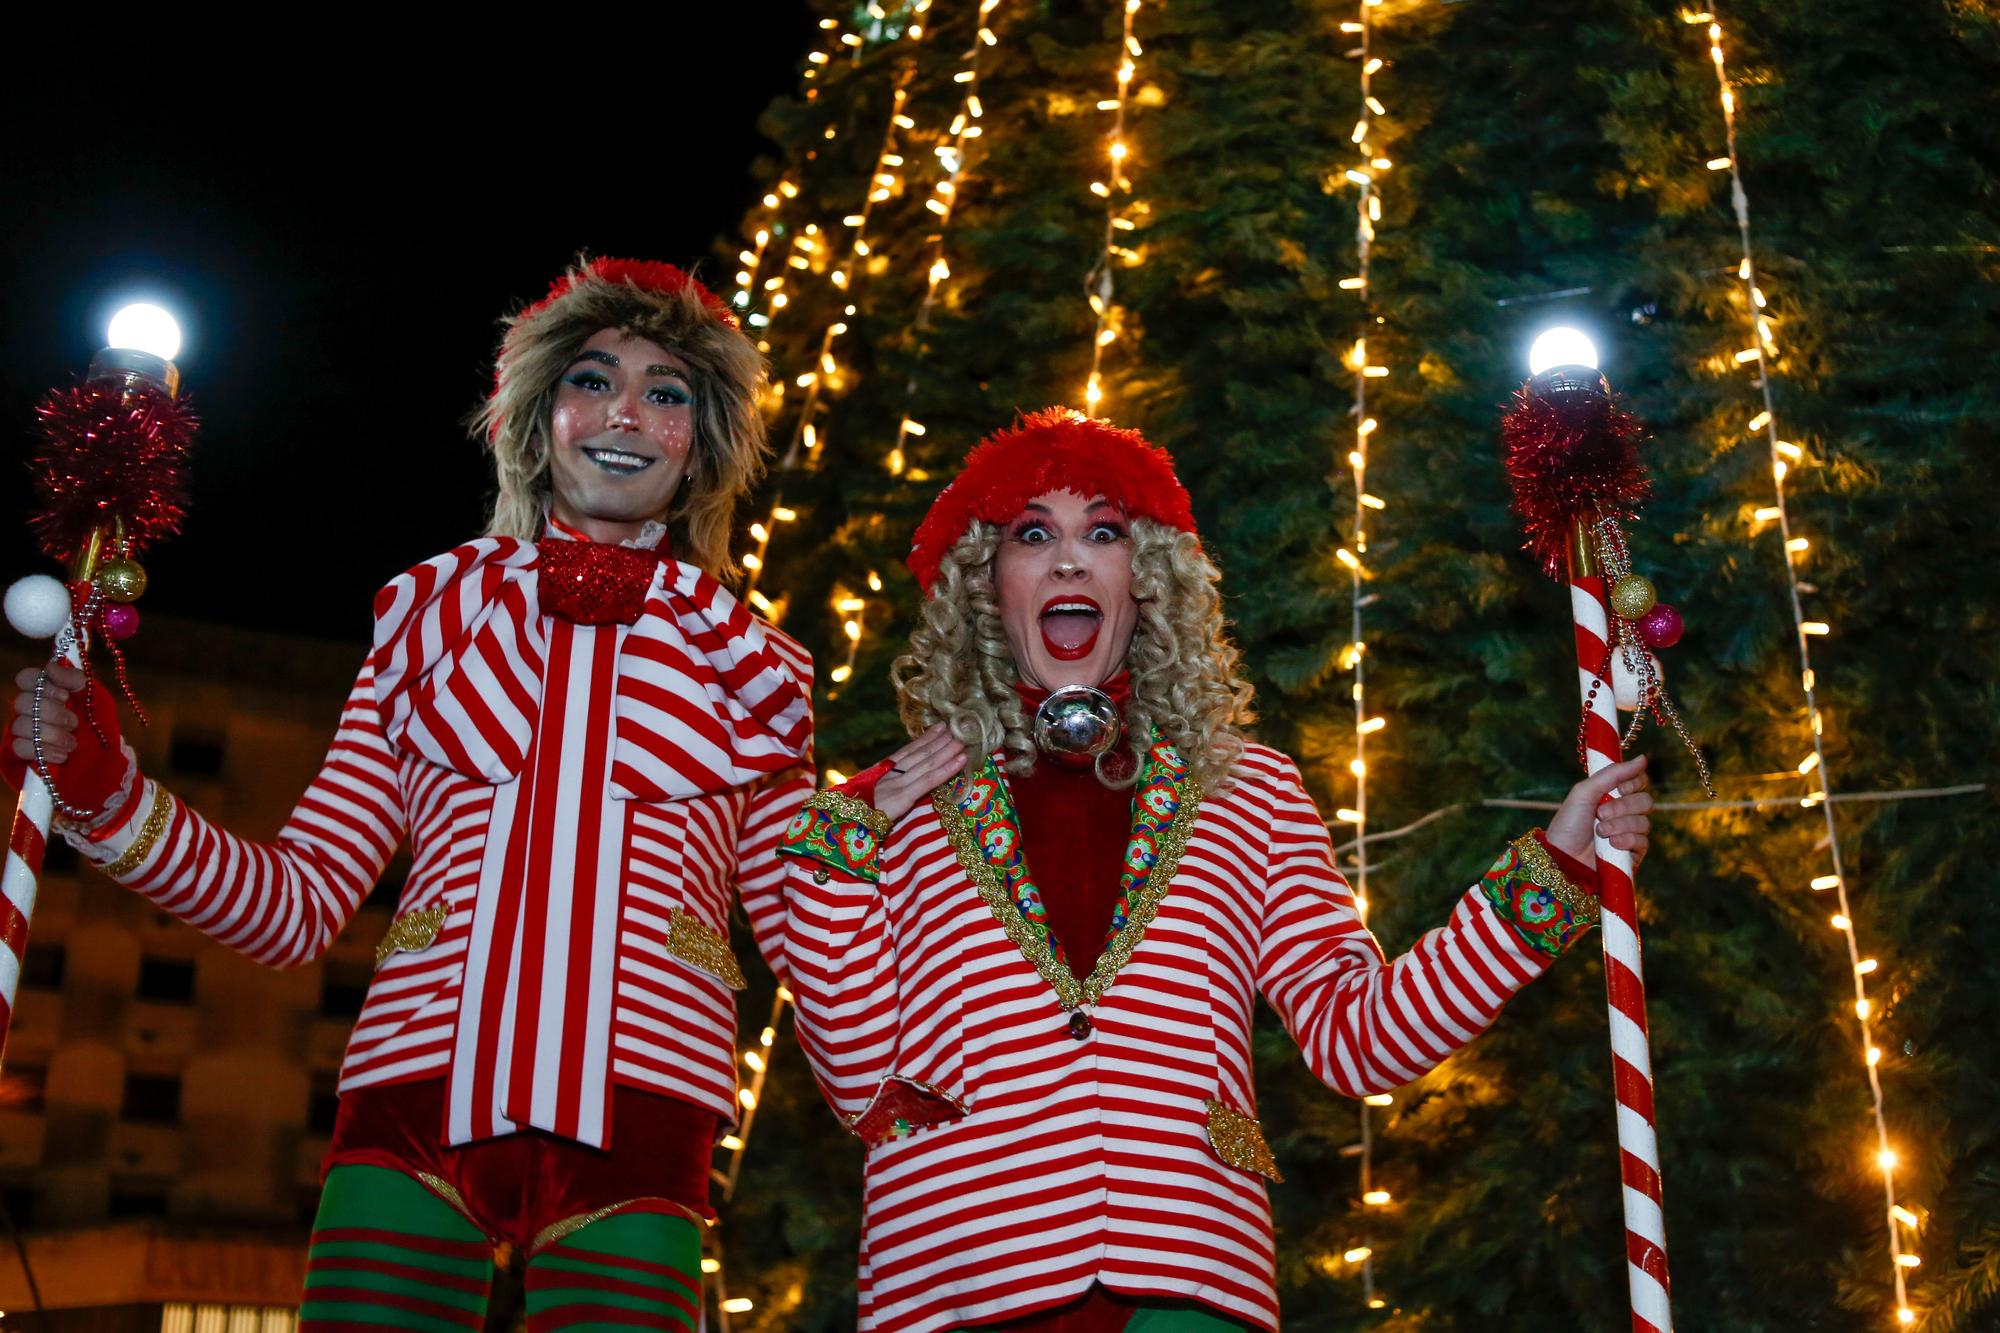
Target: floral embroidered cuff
x: 1529, y: 890
x: 836, y: 832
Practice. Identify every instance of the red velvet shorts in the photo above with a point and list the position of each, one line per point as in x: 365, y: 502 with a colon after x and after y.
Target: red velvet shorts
x: 526, y: 1188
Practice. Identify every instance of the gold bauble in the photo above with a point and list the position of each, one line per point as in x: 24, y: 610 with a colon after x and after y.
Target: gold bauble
x: 122, y: 579
x: 1633, y: 596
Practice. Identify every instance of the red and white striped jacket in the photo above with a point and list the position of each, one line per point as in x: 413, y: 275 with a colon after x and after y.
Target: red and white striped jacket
x: 1013, y: 1163
x: 668, y: 784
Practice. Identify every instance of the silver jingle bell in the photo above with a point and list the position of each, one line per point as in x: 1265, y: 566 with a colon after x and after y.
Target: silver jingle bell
x: 1076, y: 721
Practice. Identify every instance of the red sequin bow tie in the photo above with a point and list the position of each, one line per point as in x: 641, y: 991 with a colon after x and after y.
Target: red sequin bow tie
x: 590, y: 583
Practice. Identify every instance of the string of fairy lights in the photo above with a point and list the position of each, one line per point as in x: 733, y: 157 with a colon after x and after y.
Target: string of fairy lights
x: 952, y: 152
x: 884, y: 181
x: 1759, y: 356
x: 1100, y: 286
x: 1365, y: 174
x: 951, y: 156
x: 889, y: 177
x: 807, y: 437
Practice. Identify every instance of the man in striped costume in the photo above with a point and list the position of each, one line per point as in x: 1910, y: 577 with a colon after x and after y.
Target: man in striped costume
x: 1026, y: 955
x: 590, y: 745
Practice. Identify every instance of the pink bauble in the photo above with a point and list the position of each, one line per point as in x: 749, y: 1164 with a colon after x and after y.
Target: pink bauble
x: 121, y: 621
x: 1661, y: 627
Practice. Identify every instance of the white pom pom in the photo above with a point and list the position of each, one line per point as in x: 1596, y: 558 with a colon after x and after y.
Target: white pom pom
x: 38, y: 606
x: 1625, y: 682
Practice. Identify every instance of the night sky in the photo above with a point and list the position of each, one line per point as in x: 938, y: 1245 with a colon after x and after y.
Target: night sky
x: 338, y: 221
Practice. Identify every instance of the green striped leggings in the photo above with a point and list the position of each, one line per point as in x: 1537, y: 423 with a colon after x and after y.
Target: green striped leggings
x: 388, y: 1254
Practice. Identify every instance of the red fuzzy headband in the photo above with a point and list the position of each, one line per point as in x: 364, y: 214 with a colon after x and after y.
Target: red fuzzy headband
x: 647, y: 275
x: 1056, y: 449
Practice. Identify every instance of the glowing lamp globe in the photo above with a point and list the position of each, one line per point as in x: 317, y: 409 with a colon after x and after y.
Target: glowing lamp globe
x: 1561, y: 347
x: 1562, y: 368
x: 145, y: 328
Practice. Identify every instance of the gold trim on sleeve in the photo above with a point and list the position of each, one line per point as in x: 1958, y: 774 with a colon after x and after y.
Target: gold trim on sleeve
x: 1239, y: 1140
x: 691, y: 941
x: 412, y: 932
x: 149, y: 833
x: 851, y: 810
x: 1548, y: 877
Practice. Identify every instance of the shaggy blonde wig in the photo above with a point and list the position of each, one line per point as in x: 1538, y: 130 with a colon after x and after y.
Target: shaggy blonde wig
x: 725, y: 372
x: 1186, y: 681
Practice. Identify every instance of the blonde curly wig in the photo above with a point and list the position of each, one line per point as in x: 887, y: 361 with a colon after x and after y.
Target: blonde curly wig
x: 1186, y: 680
x: 725, y: 371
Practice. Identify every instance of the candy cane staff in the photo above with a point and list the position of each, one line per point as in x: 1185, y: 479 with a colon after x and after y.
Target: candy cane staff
x: 589, y: 744
x: 109, y: 482
x: 1572, y: 460
x: 1026, y: 947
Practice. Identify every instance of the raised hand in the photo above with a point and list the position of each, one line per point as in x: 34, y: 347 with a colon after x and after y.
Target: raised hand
x: 1624, y: 821
x: 917, y: 769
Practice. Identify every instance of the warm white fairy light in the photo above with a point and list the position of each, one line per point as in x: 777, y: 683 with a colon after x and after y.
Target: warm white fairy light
x: 1366, y: 177
x: 1099, y: 284
x: 1784, y: 456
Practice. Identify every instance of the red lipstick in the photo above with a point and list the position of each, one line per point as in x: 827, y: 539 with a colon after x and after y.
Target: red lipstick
x: 1070, y: 623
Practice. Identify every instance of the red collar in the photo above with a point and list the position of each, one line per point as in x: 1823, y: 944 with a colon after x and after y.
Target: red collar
x: 596, y: 583
x: 1119, y: 687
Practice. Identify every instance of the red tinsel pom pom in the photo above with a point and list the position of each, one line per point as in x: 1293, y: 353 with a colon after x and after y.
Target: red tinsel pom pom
x: 109, y: 453
x: 1570, y: 458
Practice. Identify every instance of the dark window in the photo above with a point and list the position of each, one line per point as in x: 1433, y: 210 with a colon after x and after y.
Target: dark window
x: 152, y: 1098
x: 17, y: 1205
x: 196, y: 755
x: 44, y: 966
x: 22, y: 1087
x: 166, y: 979
x: 138, y: 1199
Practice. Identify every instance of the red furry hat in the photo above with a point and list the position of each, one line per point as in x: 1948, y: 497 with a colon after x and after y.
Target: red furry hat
x: 1056, y: 449
x: 646, y: 274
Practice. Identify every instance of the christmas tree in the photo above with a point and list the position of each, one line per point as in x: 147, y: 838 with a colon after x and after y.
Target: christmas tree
x: 1532, y: 165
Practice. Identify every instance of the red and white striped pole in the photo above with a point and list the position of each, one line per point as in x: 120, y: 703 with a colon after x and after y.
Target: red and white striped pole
x: 27, y: 843
x: 1624, y: 980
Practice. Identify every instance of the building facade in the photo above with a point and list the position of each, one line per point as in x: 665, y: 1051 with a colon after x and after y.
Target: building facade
x: 165, y: 1102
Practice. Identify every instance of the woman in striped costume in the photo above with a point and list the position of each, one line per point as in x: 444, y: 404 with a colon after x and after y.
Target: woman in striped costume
x: 1026, y: 954
x: 589, y: 745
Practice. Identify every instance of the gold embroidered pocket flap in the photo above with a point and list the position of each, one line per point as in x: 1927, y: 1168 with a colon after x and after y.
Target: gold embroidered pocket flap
x: 1239, y: 1140
x: 412, y: 932
x: 689, y: 940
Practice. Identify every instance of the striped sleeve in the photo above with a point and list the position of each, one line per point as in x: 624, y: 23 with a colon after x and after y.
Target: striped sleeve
x: 282, y: 902
x: 841, y: 955
x: 760, y: 871
x: 1367, y: 1024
